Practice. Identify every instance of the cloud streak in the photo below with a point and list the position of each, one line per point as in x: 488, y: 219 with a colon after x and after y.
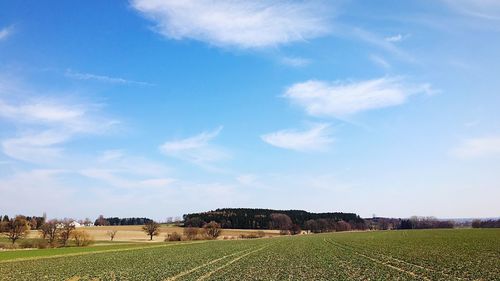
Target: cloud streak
x: 237, y: 23
x: 196, y: 149
x: 485, y: 9
x: 339, y: 99
x: 102, y: 78
x: 295, y: 61
x: 6, y: 32
x: 395, y: 38
x: 46, y: 124
x: 478, y: 147
x: 317, y: 138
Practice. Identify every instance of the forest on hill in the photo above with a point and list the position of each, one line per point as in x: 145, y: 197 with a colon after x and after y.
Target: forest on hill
x: 248, y: 218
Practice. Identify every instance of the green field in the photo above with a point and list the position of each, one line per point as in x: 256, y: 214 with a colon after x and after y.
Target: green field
x: 467, y: 254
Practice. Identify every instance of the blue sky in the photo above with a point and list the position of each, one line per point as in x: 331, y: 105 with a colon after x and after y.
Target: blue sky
x: 159, y: 108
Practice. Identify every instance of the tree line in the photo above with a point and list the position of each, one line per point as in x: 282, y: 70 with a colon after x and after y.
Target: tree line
x: 486, y: 223
x: 415, y: 222
x: 101, y: 221
x: 247, y: 218
x: 54, y: 233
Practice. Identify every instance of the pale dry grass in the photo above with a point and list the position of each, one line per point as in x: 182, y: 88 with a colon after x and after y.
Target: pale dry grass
x: 134, y: 233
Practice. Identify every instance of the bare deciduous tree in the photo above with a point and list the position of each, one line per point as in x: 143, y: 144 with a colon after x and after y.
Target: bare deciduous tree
x: 16, y: 228
x: 111, y: 234
x: 65, y: 229
x: 101, y: 221
x: 49, y: 231
x: 152, y: 229
x: 295, y: 229
x: 281, y: 222
x: 312, y: 226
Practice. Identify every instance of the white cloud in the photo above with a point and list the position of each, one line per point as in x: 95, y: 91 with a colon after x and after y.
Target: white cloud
x: 196, y: 149
x: 338, y: 99
x: 239, y: 23
x: 36, y: 147
x: 38, y: 110
x: 395, y: 38
x: 111, y: 155
x: 378, y: 41
x: 478, y: 147
x: 102, y: 78
x: 317, y: 138
x: 246, y: 179
x: 122, y: 179
x: 486, y: 9
x: 33, y: 187
x: 295, y: 61
x: 45, y: 124
x: 6, y: 32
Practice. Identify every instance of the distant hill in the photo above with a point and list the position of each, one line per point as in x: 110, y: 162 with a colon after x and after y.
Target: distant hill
x: 247, y: 218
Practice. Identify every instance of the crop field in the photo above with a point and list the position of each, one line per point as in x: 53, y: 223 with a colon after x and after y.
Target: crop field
x: 464, y: 254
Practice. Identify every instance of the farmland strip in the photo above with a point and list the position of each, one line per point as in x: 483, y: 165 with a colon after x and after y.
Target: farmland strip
x: 97, y: 252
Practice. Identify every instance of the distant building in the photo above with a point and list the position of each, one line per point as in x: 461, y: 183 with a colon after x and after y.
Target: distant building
x: 76, y: 224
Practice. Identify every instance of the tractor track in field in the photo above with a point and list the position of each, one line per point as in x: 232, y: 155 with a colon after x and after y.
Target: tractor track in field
x: 412, y: 273
x: 208, y: 274
x: 396, y: 260
x: 196, y: 268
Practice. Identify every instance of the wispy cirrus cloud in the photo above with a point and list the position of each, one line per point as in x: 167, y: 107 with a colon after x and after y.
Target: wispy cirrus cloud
x: 485, y: 9
x: 478, y: 147
x: 387, y: 44
x: 196, y: 149
x: 295, y: 61
x: 396, y: 38
x: 380, y: 61
x: 316, y: 138
x: 339, y: 98
x: 102, y: 78
x: 120, y: 179
x: 45, y: 124
x: 238, y: 23
x: 5, y: 32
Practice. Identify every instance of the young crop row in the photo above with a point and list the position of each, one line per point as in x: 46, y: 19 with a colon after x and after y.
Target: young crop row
x: 397, y: 255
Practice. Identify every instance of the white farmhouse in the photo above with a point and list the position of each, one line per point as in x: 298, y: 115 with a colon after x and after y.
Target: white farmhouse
x: 76, y: 224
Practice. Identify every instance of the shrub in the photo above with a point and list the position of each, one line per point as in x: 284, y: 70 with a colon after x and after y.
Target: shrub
x: 26, y: 244
x: 191, y: 233
x: 8, y: 246
x: 174, y: 236
x: 42, y: 244
x: 212, y: 230
x: 33, y: 243
x: 249, y: 236
x: 81, y: 238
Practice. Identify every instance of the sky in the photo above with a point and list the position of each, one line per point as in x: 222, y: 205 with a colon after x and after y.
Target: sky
x: 160, y: 108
